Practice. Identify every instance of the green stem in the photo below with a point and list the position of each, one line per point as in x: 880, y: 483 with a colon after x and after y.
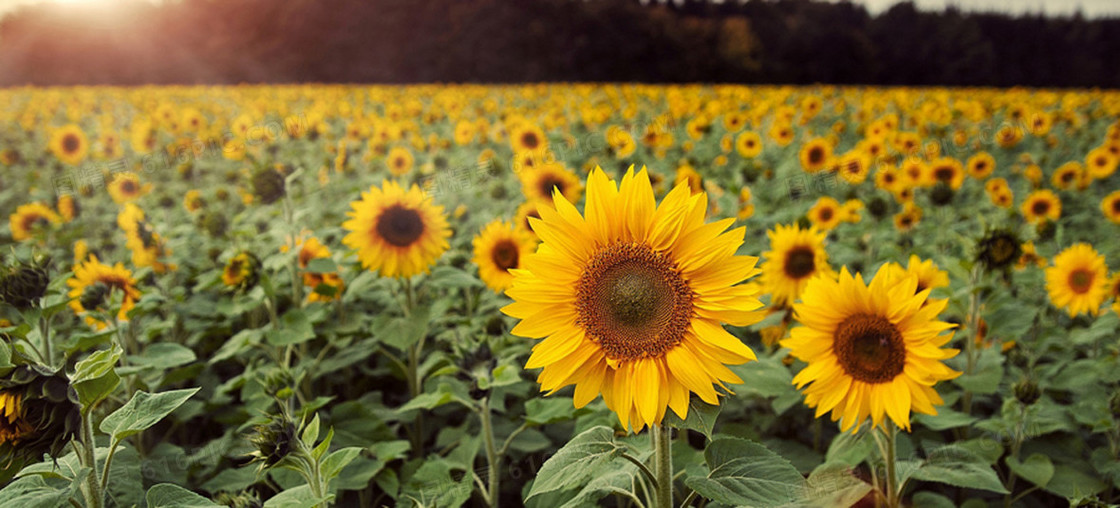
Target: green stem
x: 493, y: 460
x: 45, y: 333
x: 663, y: 465
x: 109, y: 464
x: 970, y: 344
x: 95, y: 497
x: 641, y: 467
x: 688, y: 500
x: 885, y: 438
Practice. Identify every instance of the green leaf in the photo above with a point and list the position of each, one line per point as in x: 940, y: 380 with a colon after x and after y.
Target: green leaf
x: 834, y: 485
x: 932, y: 500
x: 95, y: 377
x: 612, y: 482
x: 334, y: 462
x: 143, y: 411
x: 402, y: 332
x: 169, y: 495
x: 1037, y: 469
x: 164, y: 355
x: 960, y: 467
x: 945, y: 419
x: 987, y: 374
x: 575, y: 463
x: 543, y: 411
x: 295, y: 497
x: 1071, y: 482
x: 33, y: 492
x: 295, y: 328
x: 450, y: 277
x: 311, y: 432
x: 701, y: 417
x: 322, y: 265
x: 747, y: 473
x: 850, y: 449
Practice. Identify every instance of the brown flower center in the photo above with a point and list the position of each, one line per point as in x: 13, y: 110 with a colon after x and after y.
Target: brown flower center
x: 529, y: 140
x: 70, y: 143
x: 1040, y: 207
x: 550, y: 182
x: 1080, y: 281
x: 943, y: 173
x: 505, y: 255
x: 816, y: 155
x: 633, y: 302
x: 800, y: 262
x: 869, y: 348
x: 400, y: 226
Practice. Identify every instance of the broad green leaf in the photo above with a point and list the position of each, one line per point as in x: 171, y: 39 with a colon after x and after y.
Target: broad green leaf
x: 322, y: 265
x: 339, y: 459
x: 295, y: 497
x: 402, y: 332
x: 932, y: 500
x: 701, y: 417
x: 575, y: 464
x: 143, y: 411
x: 945, y: 419
x: 95, y: 377
x: 612, y: 482
x: 747, y: 473
x: 960, y: 467
x: 311, y: 432
x: 163, y: 355
x: 1037, y: 469
x: 450, y: 277
x: 168, y: 495
x: 295, y: 328
x: 1072, y: 482
x: 850, y: 449
x: 546, y: 410
x: 33, y: 492
x: 987, y: 374
x: 833, y: 485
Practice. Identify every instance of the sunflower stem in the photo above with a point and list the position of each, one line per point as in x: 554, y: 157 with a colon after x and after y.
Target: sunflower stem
x: 663, y: 464
x: 493, y: 459
x: 885, y: 438
x: 92, y: 488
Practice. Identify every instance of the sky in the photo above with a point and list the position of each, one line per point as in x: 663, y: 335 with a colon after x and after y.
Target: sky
x: 1090, y: 8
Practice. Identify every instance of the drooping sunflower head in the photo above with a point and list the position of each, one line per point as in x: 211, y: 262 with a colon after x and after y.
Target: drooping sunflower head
x: 241, y: 272
x: 268, y: 185
x: 126, y: 187
x: 96, y: 285
x: 38, y: 414
x: 796, y: 255
x: 872, y: 350
x: 1078, y: 281
x: 998, y: 249
x: 630, y: 296
x: 24, y: 283
x: 499, y: 248
x: 399, y: 233
x: 30, y: 219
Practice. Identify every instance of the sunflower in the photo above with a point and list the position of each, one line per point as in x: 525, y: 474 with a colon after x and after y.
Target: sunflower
x: 981, y: 165
x: 193, y: 201
x: 499, y: 248
x: 815, y: 155
x: 68, y: 207
x: 1029, y: 256
x: 529, y: 210
x: 241, y: 271
x: 748, y: 144
x: 325, y: 286
x: 539, y: 182
x: 1101, y: 162
x: 1110, y: 205
x: 93, y: 286
x: 929, y: 276
x: 945, y: 170
x: 399, y: 233
x: 1078, y: 281
x: 853, y: 166
x: 1042, y: 205
x: 826, y: 213
x: 69, y: 144
x: 1067, y: 175
x: 620, y: 143
x: 527, y: 137
x: 782, y: 133
x: 909, y: 217
x: 1114, y: 292
x: 31, y: 218
x: 39, y: 413
x: 795, y: 256
x: 9, y: 157
x: 630, y: 298
x: 126, y: 187
x: 872, y: 350
x: 399, y: 161
x: 888, y: 178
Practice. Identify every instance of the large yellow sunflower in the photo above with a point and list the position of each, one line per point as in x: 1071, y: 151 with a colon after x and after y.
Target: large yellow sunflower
x: 630, y: 296
x: 499, y: 248
x: 398, y: 233
x: 815, y: 155
x: 929, y: 276
x: 69, y: 144
x: 1078, y: 281
x: 795, y: 256
x: 872, y: 349
x: 96, y: 284
x: 30, y: 218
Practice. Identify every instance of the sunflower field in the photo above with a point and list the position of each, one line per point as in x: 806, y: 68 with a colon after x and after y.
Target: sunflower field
x: 559, y: 295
